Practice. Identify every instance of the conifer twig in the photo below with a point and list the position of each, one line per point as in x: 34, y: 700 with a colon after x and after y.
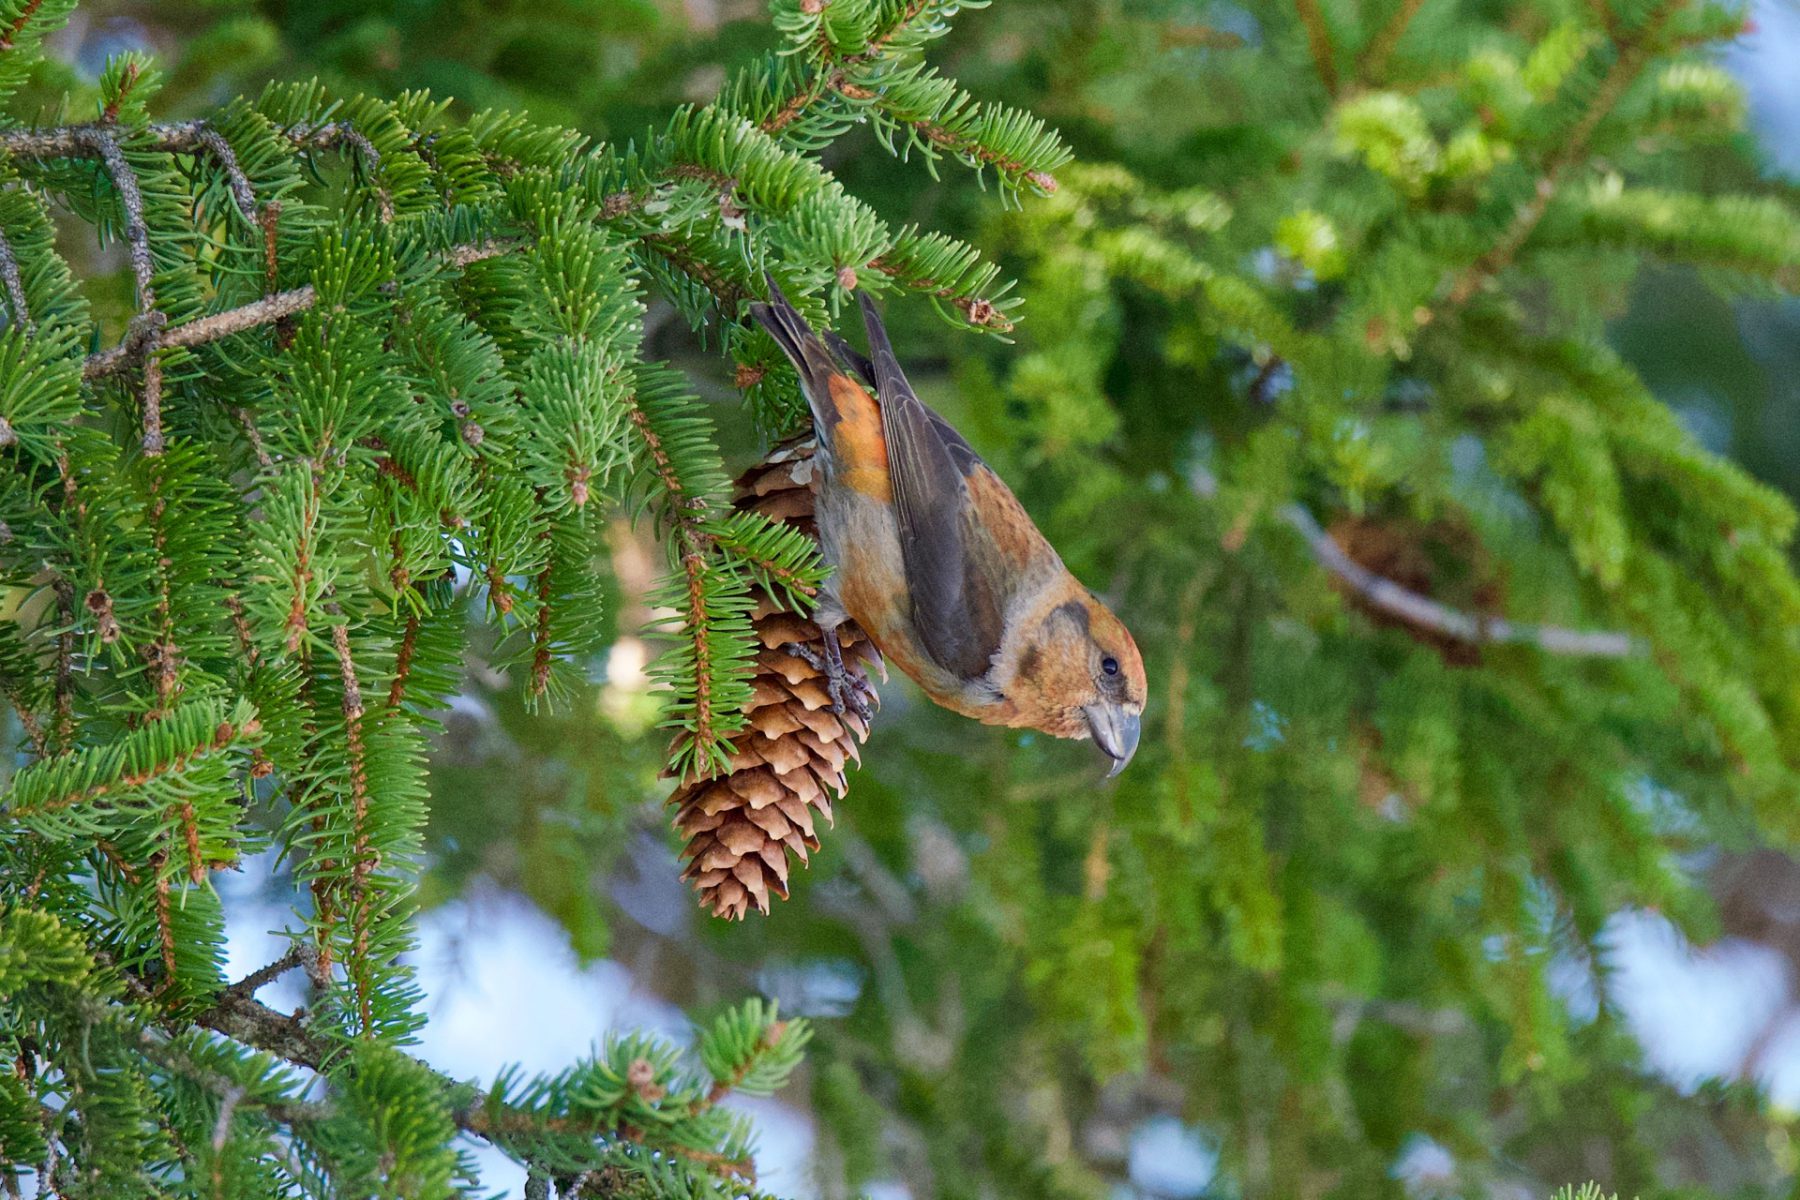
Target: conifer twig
x: 205, y: 137
x: 362, y: 856
x: 939, y: 135
x: 825, y: 81
x: 267, y: 311
x: 15, y: 286
x: 299, y: 955
x: 165, y: 922
x: 244, y: 1019
x: 105, y: 144
x: 1318, y: 42
x: 1373, y: 61
x: 162, y: 655
x: 65, y: 651
x: 34, y: 729
x: 409, y: 641
x: 689, y: 514
x: 344, y: 133
x: 980, y: 311
x: 1635, y: 50
x: 148, y: 324
x: 222, y: 739
x: 541, y: 653
x: 186, y: 137
x: 10, y: 36
x: 1424, y: 613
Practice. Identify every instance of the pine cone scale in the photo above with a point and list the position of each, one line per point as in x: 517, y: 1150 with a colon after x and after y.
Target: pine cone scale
x: 787, y: 764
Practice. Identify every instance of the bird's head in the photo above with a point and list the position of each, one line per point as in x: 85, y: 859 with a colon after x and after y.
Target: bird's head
x: 1075, y: 672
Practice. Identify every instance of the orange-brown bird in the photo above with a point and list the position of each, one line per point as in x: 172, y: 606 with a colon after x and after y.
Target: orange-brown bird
x: 937, y: 561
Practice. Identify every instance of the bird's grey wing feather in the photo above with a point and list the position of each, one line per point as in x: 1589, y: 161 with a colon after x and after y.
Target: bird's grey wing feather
x: 957, y: 597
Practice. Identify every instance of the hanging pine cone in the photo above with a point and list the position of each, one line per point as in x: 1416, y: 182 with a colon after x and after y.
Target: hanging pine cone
x: 787, y: 765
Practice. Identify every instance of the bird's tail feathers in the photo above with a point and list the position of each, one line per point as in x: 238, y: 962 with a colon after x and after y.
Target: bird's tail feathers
x: 802, y: 346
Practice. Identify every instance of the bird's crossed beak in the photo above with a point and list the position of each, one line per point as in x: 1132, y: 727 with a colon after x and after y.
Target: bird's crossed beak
x: 1115, y: 732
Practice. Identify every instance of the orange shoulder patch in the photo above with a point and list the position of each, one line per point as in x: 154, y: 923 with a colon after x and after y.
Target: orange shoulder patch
x: 857, y: 443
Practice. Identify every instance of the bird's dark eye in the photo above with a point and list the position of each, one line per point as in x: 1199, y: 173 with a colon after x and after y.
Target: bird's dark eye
x: 1110, y: 665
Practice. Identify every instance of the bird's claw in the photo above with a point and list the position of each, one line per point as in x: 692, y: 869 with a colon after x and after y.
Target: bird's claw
x: 848, y: 693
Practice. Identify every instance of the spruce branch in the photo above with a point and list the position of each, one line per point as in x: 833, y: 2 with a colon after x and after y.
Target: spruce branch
x: 980, y: 311
x: 147, y: 326
x: 403, y: 661
x: 64, y: 688
x: 104, y: 143
x: 1634, y: 50
x: 206, y: 138
x: 270, y: 310
x: 542, y: 651
x: 730, y: 294
x: 957, y: 141
x: 165, y: 923
x: 694, y: 542
x: 185, y: 137
x: 162, y: 655
x: 166, y: 1051
x: 828, y: 80
x: 874, y: 76
x: 106, y: 773
x: 346, y: 403
x: 487, y: 1115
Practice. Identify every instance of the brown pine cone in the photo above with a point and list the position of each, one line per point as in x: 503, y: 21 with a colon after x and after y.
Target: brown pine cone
x: 787, y: 764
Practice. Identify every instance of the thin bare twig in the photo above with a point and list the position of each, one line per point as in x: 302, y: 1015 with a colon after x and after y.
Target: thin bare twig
x: 104, y: 143
x: 15, y: 286
x: 147, y: 327
x: 343, y: 133
x: 1422, y: 612
x: 267, y: 311
x: 186, y: 137
x: 205, y: 137
x: 183, y: 137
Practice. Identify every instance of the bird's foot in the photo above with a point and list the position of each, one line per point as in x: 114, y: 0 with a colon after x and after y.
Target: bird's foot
x: 849, y: 693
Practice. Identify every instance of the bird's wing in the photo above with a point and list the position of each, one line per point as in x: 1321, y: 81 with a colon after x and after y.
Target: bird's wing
x: 956, y: 582
x: 864, y: 366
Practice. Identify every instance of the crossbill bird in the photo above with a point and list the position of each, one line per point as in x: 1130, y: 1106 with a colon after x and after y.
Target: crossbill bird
x: 937, y: 561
